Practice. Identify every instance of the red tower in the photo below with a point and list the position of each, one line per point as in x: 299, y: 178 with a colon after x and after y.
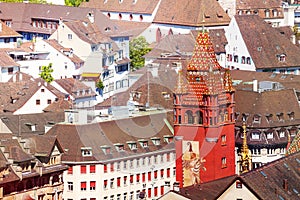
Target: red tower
x: 204, y: 118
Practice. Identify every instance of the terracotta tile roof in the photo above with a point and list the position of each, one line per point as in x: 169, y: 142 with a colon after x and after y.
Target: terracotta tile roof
x: 59, y: 106
x: 20, y: 77
x: 209, y: 190
x: 16, y: 94
x: 6, y: 31
x: 3, y: 161
x: 22, y: 123
x: 138, y: 6
x: 131, y: 28
x: 88, y: 32
x: 191, y: 13
x: 278, y: 179
x: 22, y: 14
x: 265, y: 103
x: 15, y: 151
x: 6, y: 60
x: 41, y: 145
x: 106, y: 134
x: 75, y: 59
x: 246, y: 4
x: 269, y: 44
x: 72, y: 86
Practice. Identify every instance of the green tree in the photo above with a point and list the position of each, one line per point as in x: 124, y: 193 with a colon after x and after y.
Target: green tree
x: 74, y: 3
x: 138, y: 47
x: 99, y: 84
x: 46, y: 73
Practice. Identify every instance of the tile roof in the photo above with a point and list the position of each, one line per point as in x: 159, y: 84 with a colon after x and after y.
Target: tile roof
x: 22, y: 123
x: 137, y: 6
x: 72, y: 86
x: 59, y: 106
x: 15, y: 151
x: 22, y: 14
x: 267, y: 4
x: 278, y: 179
x: 88, y: 32
x: 75, y: 59
x: 265, y: 103
x: 107, y: 134
x: 6, y: 31
x: 16, y: 94
x: 131, y: 28
x: 194, y: 13
x: 269, y: 44
x: 6, y: 60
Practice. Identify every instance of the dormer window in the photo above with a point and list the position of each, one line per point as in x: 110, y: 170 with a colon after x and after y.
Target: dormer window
x: 256, y: 118
x: 267, y: 13
x: 281, y: 57
x: 119, y: 147
x: 280, y: 116
x: 143, y: 143
x: 291, y: 115
x: 132, y: 145
x: 32, y: 126
x: 269, y: 117
x: 281, y: 133
x: 275, y: 13
x: 106, y: 149
x: 156, y: 141
x: 269, y: 135
x: 166, y: 95
x: 255, y: 135
x: 86, y: 151
x: 168, y: 138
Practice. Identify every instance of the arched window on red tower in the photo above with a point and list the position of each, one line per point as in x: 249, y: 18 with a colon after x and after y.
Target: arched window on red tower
x: 188, y: 117
x: 199, y: 117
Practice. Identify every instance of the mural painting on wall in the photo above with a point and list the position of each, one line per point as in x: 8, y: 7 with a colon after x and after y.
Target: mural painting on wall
x: 191, y: 162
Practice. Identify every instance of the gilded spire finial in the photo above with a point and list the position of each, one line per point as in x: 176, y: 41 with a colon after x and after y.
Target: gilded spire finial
x: 245, y: 154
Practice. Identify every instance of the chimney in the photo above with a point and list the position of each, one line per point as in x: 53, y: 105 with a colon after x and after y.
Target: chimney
x: 285, y: 184
x: 255, y: 85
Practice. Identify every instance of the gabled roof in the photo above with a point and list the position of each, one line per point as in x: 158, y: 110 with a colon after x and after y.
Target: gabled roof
x: 21, y: 124
x: 15, y: 151
x: 258, y: 4
x: 131, y: 28
x: 22, y: 14
x: 88, y: 32
x: 128, y: 6
x: 7, y: 32
x: 6, y: 60
x: 269, y: 44
x: 75, y: 59
x: 266, y: 103
x: 194, y: 13
x: 16, y: 94
x: 72, y: 86
x: 97, y: 136
x: 276, y: 180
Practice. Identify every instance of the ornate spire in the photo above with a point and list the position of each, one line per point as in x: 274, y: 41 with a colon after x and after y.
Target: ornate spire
x: 180, y: 87
x: 228, y: 81
x: 245, y: 155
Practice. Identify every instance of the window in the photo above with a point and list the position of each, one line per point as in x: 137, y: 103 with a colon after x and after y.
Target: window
x: 248, y: 61
x: 162, y: 173
x: 42, y: 90
x: 83, y: 186
x: 105, y: 168
x: 37, y: 102
x: 168, y: 172
x: 270, y: 135
x: 223, y: 140
x: 118, y: 166
x: 83, y: 169
x: 6, y: 40
x: 70, y: 186
x: 105, y: 184
x: 86, y: 151
x: 112, y: 167
x: 149, y: 176
x: 70, y: 170
x: 155, y: 174
x: 238, y: 184
x: 49, y: 101
x: 243, y: 60
x: 281, y: 134
x: 93, y: 185
x: 138, y: 178
x: 162, y: 190
x: 125, y: 180
x: 168, y: 157
x: 131, y: 179
x: 255, y: 135
x: 236, y: 59
x: 149, y: 192
x: 119, y: 182
x: 92, y: 169
x: 155, y: 191
x: 70, y: 36
x: 223, y: 162
x: 143, y: 177
x: 112, y: 183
